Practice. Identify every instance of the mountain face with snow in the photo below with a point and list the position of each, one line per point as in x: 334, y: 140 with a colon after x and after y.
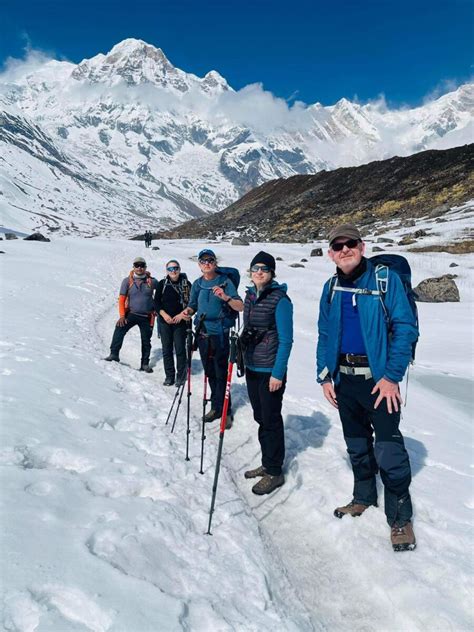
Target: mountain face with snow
x: 126, y: 141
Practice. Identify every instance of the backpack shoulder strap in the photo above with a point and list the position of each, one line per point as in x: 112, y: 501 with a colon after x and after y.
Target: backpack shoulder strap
x: 381, y: 277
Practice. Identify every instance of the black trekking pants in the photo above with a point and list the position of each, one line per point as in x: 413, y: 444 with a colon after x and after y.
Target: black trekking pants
x: 146, y: 330
x: 359, y: 422
x: 267, y: 413
x: 173, y: 336
x: 214, y: 352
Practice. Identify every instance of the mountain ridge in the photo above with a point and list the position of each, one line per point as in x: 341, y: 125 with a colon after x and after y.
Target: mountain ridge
x: 143, y: 141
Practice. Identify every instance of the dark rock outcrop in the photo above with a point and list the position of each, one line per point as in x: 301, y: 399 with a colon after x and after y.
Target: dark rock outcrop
x: 304, y: 207
x: 316, y: 252
x: 438, y: 290
x: 9, y: 236
x: 239, y: 241
x: 36, y: 237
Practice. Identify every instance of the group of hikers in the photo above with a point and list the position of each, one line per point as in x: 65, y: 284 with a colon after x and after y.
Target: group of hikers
x: 367, y: 330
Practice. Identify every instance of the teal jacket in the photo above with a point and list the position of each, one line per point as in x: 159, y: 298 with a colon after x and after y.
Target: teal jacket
x: 388, y: 353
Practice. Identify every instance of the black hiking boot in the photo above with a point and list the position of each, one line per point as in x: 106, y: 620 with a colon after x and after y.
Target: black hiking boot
x: 403, y: 538
x: 180, y: 381
x: 146, y: 368
x: 112, y: 358
x: 351, y: 509
x: 258, y: 471
x: 267, y: 484
x: 212, y: 415
x: 169, y: 381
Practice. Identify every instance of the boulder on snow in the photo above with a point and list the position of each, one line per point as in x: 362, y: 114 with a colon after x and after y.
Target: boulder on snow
x: 296, y: 265
x: 454, y: 265
x: 304, y: 260
x: 10, y: 236
x: 36, y: 237
x: 316, y: 252
x: 419, y: 233
x: 377, y: 249
x: 155, y: 248
x: 278, y: 259
x: 438, y: 290
x: 239, y: 241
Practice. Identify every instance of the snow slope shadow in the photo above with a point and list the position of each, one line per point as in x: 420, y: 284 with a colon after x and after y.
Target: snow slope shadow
x: 417, y: 452
x: 304, y: 431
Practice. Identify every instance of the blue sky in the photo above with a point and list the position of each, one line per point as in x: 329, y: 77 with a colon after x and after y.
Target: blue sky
x: 308, y: 50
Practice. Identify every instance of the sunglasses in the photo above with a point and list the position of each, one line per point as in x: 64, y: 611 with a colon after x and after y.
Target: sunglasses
x: 350, y: 243
x: 260, y: 269
x: 139, y: 265
x: 172, y: 268
x: 207, y: 261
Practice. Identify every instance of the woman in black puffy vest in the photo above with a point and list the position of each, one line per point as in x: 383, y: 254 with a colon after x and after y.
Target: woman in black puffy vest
x: 267, y: 339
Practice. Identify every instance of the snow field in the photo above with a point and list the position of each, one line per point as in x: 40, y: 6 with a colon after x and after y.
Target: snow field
x: 103, y: 519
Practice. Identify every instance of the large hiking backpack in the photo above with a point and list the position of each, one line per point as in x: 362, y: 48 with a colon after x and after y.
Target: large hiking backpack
x: 384, y: 265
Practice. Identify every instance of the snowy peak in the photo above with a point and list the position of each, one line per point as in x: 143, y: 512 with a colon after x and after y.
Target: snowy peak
x: 135, y: 62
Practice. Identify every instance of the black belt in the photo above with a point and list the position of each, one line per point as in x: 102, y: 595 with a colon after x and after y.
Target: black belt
x: 350, y: 359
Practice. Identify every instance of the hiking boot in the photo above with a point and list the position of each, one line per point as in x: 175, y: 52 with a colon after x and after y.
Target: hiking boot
x: 212, y: 415
x: 112, y: 358
x: 352, y: 509
x: 147, y: 368
x: 258, y: 471
x: 403, y: 538
x: 169, y: 381
x: 267, y: 484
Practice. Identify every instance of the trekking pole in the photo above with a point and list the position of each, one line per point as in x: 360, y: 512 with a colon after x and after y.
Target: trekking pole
x: 204, y: 404
x: 172, y: 405
x: 232, y: 355
x: 189, y: 344
x: 191, y: 348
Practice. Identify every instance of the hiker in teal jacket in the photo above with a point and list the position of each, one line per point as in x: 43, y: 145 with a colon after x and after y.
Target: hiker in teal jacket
x: 364, y: 348
x: 212, y: 294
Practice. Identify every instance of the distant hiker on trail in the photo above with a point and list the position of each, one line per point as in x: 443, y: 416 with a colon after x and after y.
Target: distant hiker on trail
x: 215, y: 295
x: 266, y: 341
x: 148, y: 238
x: 171, y: 298
x: 366, y: 331
x: 136, y: 307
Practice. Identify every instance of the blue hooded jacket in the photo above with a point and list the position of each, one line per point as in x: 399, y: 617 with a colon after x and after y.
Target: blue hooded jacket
x: 388, y: 355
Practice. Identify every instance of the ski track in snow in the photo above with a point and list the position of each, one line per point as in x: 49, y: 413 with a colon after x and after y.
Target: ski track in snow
x: 118, y: 515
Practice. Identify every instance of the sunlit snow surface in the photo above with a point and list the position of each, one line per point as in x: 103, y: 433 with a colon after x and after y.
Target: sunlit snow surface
x: 103, y: 521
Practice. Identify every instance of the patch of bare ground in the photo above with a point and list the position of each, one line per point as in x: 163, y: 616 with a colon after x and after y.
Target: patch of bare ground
x: 456, y: 248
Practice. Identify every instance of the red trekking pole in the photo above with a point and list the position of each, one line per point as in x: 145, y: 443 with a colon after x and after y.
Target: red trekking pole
x: 232, y: 356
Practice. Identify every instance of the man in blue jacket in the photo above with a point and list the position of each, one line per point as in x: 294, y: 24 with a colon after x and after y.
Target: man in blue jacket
x: 361, y: 358
x: 210, y: 293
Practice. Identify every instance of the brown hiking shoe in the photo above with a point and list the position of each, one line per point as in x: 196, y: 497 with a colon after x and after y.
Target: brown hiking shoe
x: 403, y: 538
x: 258, y: 471
x: 268, y: 484
x: 352, y: 509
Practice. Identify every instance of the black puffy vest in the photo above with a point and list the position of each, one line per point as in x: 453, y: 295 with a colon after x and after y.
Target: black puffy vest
x: 260, y: 313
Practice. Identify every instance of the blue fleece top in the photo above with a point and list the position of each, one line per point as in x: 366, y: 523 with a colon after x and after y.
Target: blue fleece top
x: 352, y: 340
x: 204, y: 301
x: 284, y: 327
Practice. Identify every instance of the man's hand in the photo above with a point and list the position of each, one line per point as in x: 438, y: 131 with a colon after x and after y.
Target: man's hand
x: 122, y: 321
x: 330, y: 393
x: 274, y: 384
x: 219, y: 292
x: 390, y: 392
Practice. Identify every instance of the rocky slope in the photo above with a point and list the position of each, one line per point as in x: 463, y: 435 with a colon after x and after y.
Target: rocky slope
x: 125, y: 140
x: 302, y: 208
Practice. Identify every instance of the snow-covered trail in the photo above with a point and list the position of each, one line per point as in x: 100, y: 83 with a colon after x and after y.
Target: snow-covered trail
x: 104, y: 520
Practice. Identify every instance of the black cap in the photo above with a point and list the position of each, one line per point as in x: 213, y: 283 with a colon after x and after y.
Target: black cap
x: 265, y: 258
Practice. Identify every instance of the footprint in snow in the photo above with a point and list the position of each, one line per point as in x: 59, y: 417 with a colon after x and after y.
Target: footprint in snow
x: 67, y: 412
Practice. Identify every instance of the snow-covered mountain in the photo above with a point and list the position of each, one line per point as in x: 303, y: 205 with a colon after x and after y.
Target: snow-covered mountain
x: 126, y: 141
